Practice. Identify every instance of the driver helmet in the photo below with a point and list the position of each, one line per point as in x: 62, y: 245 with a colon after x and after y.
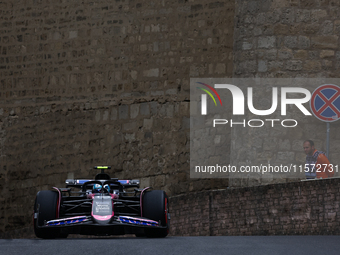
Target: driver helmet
x: 107, y: 187
x: 96, y: 188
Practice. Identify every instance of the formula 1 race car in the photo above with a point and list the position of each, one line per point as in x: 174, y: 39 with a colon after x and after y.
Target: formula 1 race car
x: 102, y: 206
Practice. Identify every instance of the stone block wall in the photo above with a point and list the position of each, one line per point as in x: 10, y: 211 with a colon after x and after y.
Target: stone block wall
x: 102, y: 83
x: 296, y: 208
x: 107, y: 82
x: 286, y: 39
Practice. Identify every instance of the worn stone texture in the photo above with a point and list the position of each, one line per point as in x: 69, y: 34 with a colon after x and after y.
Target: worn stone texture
x: 107, y: 82
x: 296, y: 208
x: 287, y: 27
x: 293, y: 39
x: 102, y: 83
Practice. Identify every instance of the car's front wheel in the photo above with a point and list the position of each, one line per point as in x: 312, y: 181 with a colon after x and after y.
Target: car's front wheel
x: 156, y: 207
x: 45, y: 209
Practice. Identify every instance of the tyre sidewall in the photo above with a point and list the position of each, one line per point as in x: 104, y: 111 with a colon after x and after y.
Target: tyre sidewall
x: 155, y: 202
x: 45, y: 206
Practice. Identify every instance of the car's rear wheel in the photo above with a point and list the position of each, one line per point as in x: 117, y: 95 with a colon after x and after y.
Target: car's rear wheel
x: 45, y: 208
x: 156, y: 207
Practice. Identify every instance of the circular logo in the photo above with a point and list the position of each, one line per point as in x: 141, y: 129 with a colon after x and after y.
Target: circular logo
x: 325, y: 102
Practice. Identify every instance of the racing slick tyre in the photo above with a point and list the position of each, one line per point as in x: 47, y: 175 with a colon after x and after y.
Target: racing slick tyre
x: 45, y: 206
x: 156, y: 207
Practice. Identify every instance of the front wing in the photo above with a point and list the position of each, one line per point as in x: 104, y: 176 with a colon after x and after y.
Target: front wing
x: 119, y: 225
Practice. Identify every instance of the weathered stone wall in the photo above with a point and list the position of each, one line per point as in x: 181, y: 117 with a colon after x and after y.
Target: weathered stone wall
x: 297, y: 208
x: 107, y: 82
x: 102, y: 82
x: 285, y: 39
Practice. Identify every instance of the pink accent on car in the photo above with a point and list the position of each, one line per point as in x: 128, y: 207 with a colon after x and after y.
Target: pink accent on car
x: 114, y: 196
x: 90, y: 196
x: 141, y: 202
x: 97, y: 217
x: 59, y: 201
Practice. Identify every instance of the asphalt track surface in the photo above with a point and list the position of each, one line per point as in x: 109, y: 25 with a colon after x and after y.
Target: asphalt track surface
x: 262, y: 245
